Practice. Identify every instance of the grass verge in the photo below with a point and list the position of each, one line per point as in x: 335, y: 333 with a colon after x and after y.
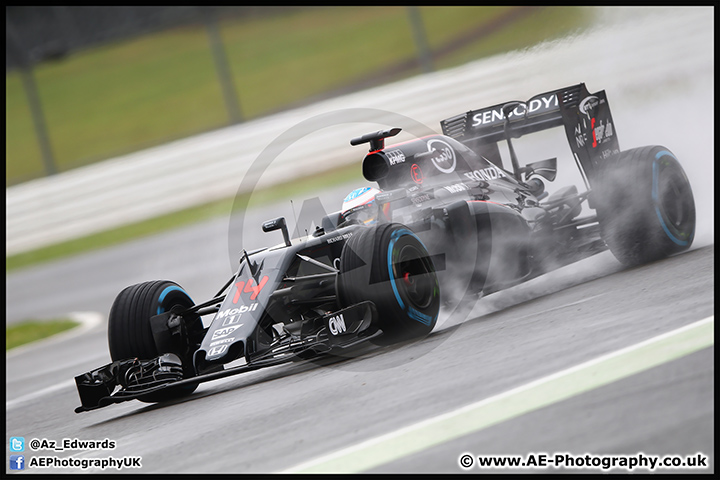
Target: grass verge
x: 33, y: 330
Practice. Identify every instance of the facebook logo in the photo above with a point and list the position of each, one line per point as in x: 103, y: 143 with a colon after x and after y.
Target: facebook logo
x: 17, y: 444
x: 17, y: 462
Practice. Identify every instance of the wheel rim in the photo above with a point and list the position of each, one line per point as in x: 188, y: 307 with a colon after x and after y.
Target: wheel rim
x: 414, y: 276
x: 677, y: 212
x: 673, y: 201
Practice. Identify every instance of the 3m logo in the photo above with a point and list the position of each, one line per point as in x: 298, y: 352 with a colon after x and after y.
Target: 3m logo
x: 337, y: 325
x: 249, y: 287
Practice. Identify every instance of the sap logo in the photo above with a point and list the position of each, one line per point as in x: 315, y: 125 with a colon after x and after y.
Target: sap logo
x: 490, y: 173
x: 445, y: 160
x: 224, y: 332
x: 215, y: 351
x: 395, y: 157
x: 337, y: 325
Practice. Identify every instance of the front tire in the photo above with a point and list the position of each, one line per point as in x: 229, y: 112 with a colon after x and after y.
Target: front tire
x: 130, y: 334
x: 645, y: 206
x: 389, y: 265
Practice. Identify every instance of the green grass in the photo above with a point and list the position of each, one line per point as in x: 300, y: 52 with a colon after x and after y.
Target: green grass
x: 33, y: 330
x: 131, y: 95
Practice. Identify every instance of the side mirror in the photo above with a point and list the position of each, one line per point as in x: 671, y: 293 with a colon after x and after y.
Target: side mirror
x: 545, y: 168
x: 277, y: 224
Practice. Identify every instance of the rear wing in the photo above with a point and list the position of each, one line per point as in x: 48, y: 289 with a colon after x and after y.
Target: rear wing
x: 586, y: 117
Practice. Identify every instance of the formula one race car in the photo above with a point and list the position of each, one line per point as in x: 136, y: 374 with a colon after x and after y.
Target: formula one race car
x: 447, y: 220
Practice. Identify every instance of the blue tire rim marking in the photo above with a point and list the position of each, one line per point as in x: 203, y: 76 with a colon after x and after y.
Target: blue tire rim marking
x: 412, y: 313
x: 164, y: 293
x: 656, y: 200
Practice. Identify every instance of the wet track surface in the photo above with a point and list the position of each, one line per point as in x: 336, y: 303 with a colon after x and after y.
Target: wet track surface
x: 273, y: 419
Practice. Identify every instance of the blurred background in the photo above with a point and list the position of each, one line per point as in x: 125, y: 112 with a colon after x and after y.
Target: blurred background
x: 84, y: 84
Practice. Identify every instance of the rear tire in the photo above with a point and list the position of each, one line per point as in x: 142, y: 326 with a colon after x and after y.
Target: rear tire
x: 389, y: 265
x: 645, y: 206
x: 130, y: 334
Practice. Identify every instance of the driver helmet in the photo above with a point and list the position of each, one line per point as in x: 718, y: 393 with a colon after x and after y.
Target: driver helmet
x: 359, y: 206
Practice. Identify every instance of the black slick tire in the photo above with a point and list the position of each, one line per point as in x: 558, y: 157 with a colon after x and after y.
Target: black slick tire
x: 129, y: 331
x: 389, y: 265
x: 645, y: 206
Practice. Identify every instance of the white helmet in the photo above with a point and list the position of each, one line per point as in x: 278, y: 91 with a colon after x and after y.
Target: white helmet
x: 359, y: 206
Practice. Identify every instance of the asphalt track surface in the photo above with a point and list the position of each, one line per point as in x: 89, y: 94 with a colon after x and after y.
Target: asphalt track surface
x: 279, y: 418
x: 274, y: 419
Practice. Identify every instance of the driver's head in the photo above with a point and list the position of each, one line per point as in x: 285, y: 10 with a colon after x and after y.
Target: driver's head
x: 359, y: 206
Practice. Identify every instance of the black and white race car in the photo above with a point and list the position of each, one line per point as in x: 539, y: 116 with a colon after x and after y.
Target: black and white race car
x: 446, y: 219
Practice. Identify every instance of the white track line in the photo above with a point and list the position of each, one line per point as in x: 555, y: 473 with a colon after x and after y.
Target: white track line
x: 518, y: 401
